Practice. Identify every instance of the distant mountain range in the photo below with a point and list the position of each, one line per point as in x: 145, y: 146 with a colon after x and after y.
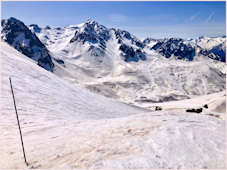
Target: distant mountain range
x: 25, y: 39
x: 216, y: 45
x: 116, y: 64
x: 190, y: 49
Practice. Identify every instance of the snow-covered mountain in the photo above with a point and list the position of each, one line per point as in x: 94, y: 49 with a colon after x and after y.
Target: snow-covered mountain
x: 198, y: 47
x: 93, y: 38
x: 182, y: 49
x: 216, y: 45
x: 116, y: 64
x: 67, y: 127
x: 18, y: 35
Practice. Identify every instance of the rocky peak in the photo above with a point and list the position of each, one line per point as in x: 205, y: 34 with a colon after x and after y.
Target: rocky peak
x: 35, y: 28
x: 182, y: 49
x: 122, y: 34
x: 92, y: 32
x: 175, y: 47
x: 12, y: 23
x: 15, y: 21
x: 91, y: 22
x: 17, y: 34
x: 47, y: 27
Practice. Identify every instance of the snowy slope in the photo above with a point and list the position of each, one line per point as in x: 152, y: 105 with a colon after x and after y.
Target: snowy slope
x: 47, y: 86
x: 66, y: 127
x: 157, y: 79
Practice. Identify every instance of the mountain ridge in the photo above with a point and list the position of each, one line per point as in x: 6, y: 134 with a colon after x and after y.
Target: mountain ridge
x: 114, y: 63
x: 144, y: 43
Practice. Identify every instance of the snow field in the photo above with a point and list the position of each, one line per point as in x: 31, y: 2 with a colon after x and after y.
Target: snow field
x: 64, y: 126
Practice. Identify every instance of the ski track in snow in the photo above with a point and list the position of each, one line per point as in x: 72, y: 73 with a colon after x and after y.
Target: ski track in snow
x: 174, y: 83
x: 204, y: 86
x: 146, y: 71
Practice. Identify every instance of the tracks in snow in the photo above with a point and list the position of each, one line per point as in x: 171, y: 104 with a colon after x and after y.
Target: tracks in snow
x: 147, y: 72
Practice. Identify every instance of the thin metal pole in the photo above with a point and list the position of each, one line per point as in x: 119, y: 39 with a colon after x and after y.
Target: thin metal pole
x: 18, y: 121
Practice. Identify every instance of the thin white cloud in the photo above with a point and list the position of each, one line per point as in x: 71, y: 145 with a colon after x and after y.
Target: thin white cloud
x: 163, y: 17
x: 118, y: 18
x: 208, y: 19
x: 193, y: 17
x: 198, y: 19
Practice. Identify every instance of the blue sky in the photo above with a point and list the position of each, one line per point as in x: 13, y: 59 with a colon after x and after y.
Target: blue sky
x: 143, y: 19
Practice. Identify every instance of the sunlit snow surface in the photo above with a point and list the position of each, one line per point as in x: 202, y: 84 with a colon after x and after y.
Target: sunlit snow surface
x: 67, y: 127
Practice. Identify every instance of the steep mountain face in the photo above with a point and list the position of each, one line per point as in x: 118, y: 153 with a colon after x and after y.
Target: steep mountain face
x: 182, y: 49
x: 92, y: 32
x: 216, y: 45
x: 18, y: 35
x: 34, y: 28
x: 220, y: 50
x: 175, y: 47
x: 131, y: 48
